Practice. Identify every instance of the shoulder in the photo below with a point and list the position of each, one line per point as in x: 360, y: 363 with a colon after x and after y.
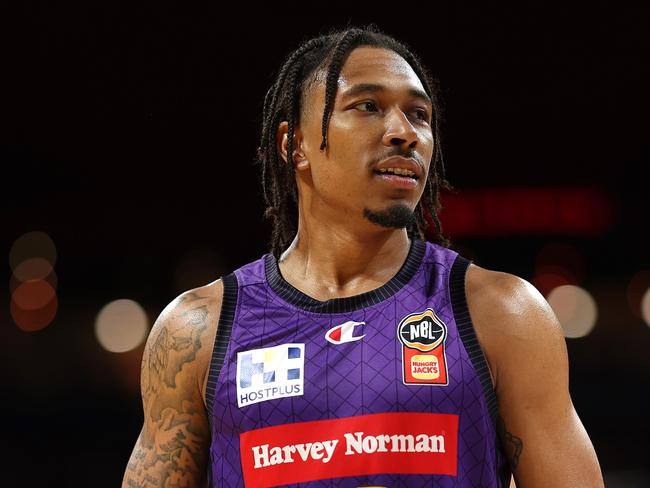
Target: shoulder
x: 181, y: 340
x: 504, y: 295
x: 512, y: 320
x: 539, y: 428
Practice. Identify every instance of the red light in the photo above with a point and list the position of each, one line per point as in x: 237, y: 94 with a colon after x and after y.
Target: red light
x: 520, y: 210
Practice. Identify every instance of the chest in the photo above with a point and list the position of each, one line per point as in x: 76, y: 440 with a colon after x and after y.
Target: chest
x: 285, y: 366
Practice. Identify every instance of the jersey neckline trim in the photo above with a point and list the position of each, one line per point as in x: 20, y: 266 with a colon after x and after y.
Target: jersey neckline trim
x: 346, y: 304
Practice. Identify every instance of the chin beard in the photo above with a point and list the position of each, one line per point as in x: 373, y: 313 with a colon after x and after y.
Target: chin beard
x: 394, y: 217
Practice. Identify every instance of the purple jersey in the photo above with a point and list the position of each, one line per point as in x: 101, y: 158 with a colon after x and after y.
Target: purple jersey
x: 386, y: 388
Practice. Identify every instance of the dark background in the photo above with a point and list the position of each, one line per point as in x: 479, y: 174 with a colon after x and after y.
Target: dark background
x: 129, y: 134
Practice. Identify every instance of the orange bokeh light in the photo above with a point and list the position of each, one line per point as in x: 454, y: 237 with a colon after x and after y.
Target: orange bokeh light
x: 33, y: 295
x: 33, y: 320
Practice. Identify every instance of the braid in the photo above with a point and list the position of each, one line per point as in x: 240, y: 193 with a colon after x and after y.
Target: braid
x: 277, y: 87
x: 275, y: 173
x: 340, y: 53
x: 291, y: 115
x: 282, y: 102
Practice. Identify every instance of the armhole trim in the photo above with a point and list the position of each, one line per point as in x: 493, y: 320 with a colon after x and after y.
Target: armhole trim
x: 468, y: 334
x: 224, y: 328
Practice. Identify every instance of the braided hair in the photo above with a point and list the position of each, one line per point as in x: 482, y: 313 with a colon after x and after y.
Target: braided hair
x: 283, y: 102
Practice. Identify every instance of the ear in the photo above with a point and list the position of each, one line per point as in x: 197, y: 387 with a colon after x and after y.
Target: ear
x: 282, y: 140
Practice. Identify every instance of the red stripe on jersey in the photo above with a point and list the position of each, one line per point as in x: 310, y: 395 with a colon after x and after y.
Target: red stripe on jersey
x: 383, y: 443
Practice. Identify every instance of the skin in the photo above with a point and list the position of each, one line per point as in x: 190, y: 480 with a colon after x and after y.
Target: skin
x: 172, y: 448
x: 542, y: 434
x: 338, y: 252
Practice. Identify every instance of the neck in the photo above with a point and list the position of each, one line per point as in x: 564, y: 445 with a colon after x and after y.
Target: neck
x: 333, y: 260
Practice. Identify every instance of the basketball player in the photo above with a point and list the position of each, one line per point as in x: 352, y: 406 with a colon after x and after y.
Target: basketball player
x: 355, y: 353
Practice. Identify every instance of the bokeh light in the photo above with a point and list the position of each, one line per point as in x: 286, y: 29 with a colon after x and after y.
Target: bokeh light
x: 15, y: 282
x: 551, y: 277
x: 35, y: 268
x: 645, y: 307
x: 558, y: 264
x: 33, y: 281
x: 575, y: 308
x: 33, y: 320
x: 33, y: 294
x: 636, y: 290
x: 33, y: 244
x: 121, y: 325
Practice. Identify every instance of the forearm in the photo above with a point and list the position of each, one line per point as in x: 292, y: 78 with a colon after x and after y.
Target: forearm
x: 173, y: 460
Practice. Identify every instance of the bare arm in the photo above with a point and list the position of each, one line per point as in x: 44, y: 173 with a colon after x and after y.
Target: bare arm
x: 172, y: 449
x: 541, y: 432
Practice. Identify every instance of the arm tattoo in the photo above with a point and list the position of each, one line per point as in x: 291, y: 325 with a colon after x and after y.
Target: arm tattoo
x: 171, y: 450
x: 512, y: 445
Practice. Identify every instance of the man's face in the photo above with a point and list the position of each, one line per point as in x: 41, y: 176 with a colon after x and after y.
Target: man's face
x: 381, y: 111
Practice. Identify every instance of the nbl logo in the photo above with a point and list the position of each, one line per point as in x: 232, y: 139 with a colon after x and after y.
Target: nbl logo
x: 270, y: 373
x: 423, y: 337
x: 423, y: 332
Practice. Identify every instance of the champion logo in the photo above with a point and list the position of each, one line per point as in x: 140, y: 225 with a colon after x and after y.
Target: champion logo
x: 344, y: 333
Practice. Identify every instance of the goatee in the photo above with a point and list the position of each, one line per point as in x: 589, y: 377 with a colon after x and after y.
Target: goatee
x: 395, y: 217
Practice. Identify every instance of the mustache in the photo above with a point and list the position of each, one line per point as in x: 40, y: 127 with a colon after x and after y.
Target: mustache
x: 397, y: 152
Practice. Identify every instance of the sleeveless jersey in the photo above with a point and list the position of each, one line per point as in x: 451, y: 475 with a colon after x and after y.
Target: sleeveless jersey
x: 383, y: 389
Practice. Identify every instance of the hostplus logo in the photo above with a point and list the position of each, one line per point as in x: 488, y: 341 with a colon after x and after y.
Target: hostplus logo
x: 270, y: 373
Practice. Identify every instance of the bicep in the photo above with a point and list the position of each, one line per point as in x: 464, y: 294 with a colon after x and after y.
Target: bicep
x: 539, y: 428
x: 172, y: 447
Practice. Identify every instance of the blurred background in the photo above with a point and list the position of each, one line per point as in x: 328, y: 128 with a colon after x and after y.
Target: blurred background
x: 127, y: 147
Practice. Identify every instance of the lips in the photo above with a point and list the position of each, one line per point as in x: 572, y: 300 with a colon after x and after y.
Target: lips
x: 397, y: 181
x: 399, y: 162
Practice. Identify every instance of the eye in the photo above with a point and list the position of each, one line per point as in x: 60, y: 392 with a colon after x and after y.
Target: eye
x: 422, y: 114
x: 367, y: 106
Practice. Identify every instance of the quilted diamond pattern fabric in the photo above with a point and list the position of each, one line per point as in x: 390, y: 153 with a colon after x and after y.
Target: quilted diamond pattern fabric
x: 354, y: 378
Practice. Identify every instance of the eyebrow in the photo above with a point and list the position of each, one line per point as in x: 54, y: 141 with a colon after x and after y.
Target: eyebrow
x: 362, y: 88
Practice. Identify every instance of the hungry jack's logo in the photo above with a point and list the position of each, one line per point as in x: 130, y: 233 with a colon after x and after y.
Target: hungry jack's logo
x: 423, y: 337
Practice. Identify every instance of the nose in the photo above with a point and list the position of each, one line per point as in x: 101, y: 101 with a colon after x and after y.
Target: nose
x: 399, y: 131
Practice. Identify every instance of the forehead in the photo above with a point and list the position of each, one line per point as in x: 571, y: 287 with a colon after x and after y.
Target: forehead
x: 378, y: 66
